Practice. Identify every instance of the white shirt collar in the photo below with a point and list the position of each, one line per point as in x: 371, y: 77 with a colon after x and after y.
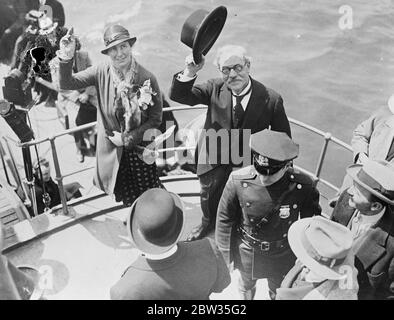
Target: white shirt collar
x: 162, y: 255
x: 372, y: 220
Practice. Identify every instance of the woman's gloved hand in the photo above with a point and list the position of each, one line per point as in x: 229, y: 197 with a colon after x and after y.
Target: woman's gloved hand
x: 147, y: 154
x: 116, y: 138
x: 67, y: 46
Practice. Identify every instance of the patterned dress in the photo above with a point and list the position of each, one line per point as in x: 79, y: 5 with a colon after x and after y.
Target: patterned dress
x: 134, y: 175
x: 134, y: 178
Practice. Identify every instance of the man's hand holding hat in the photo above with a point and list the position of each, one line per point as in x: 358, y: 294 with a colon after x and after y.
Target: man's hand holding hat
x: 191, y: 68
x: 67, y: 46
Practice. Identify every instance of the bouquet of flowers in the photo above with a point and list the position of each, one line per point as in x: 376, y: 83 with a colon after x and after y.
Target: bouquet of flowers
x: 144, y: 95
x: 135, y: 100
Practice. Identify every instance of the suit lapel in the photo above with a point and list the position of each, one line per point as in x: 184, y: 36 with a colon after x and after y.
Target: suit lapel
x: 374, y: 244
x: 256, y: 105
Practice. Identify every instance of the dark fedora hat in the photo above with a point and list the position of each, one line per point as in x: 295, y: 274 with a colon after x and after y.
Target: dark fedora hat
x: 114, y: 35
x: 156, y: 221
x: 201, y: 29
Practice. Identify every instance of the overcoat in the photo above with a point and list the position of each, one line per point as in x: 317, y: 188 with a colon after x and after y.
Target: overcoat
x: 375, y: 135
x: 375, y: 256
x: 108, y: 156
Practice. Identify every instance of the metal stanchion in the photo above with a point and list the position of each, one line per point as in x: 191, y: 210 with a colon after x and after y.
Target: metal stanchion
x: 327, y: 138
x: 59, y: 177
x: 30, y: 177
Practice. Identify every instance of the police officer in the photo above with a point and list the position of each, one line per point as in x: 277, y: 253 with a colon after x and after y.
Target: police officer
x: 257, y: 207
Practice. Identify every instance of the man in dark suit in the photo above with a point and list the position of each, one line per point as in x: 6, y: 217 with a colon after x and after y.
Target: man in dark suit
x: 168, y: 268
x: 236, y: 102
x: 366, y: 209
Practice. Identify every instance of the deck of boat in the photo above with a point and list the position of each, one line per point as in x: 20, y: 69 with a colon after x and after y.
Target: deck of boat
x: 84, y: 254
x: 82, y: 257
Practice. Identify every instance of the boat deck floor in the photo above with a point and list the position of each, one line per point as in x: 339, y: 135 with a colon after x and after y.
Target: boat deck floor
x: 83, y: 256
x: 81, y: 259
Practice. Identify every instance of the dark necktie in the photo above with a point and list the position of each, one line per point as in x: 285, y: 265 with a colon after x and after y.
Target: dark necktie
x: 239, y: 111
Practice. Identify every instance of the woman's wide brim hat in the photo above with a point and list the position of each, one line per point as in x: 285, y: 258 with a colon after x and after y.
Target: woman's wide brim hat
x: 156, y: 221
x: 201, y: 29
x: 115, y: 35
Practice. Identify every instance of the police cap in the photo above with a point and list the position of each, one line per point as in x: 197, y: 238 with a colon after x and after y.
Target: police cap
x: 274, y: 145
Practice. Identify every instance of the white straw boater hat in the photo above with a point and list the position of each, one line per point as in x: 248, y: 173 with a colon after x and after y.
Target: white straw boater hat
x: 321, y: 245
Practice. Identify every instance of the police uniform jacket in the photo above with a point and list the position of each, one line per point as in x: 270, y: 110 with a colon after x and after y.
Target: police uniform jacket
x: 266, y: 213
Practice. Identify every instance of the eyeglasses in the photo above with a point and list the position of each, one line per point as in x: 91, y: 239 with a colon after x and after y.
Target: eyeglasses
x: 237, y: 68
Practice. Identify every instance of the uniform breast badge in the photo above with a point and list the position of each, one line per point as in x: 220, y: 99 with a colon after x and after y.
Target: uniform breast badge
x: 284, y: 211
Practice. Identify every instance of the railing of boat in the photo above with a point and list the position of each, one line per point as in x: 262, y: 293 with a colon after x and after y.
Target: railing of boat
x: 316, y: 174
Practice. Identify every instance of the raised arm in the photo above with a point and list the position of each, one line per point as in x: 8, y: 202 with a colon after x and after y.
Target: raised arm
x: 183, y: 90
x: 186, y: 93
x: 65, y: 54
x: 76, y: 81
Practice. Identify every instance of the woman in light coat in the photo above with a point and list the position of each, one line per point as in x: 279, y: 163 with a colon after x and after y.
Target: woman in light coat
x: 129, y: 108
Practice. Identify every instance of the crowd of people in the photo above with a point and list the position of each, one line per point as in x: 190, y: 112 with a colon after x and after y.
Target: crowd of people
x: 260, y: 216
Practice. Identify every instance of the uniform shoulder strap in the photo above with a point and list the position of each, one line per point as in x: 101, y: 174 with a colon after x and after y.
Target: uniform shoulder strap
x: 244, y: 174
x: 299, y: 177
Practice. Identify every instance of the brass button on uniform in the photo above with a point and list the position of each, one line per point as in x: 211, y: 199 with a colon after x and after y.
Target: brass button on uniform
x: 245, y: 185
x: 294, y: 206
x: 248, y: 204
x: 292, y: 177
x: 299, y: 186
x: 285, y: 235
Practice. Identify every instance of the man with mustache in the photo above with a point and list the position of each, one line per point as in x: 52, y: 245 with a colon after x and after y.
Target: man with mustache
x: 238, y: 106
